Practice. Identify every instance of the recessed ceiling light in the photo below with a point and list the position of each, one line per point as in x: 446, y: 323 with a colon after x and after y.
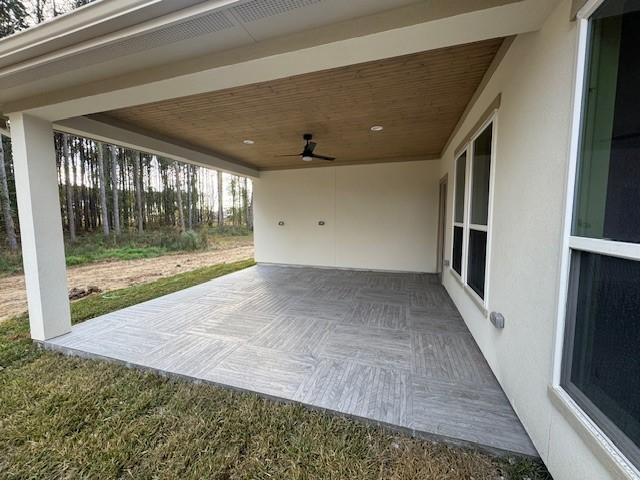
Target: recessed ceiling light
x: 377, y: 128
x: 248, y: 142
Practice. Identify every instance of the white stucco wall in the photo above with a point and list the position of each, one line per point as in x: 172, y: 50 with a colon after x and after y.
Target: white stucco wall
x: 536, y: 80
x: 379, y: 216
x: 385, y: 217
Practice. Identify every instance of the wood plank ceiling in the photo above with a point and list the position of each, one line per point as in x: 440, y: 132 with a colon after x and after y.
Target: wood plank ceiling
x: 417, y: 98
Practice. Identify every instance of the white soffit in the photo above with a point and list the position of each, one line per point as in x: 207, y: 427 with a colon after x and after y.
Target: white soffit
x: 166, y: 44
x: 264, y: 19
x: 206, y: 31
x: 85, y: 23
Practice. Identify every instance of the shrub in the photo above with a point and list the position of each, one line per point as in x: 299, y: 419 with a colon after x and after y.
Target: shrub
x: 10, y: 262
x: 231, y: 230
x: 203, y: 238
x: 188, y: 240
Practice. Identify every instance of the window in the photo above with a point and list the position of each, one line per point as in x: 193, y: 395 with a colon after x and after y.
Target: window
x: 478, y: 227
x: 601, y: 363
x: 471, y: 211
x: 458, y: 220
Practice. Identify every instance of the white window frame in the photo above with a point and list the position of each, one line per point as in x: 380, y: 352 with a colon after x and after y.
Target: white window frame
x: 583, y: 423
x: 468, y: 147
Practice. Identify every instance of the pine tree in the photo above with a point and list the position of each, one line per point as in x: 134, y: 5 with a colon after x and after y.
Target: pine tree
x: 220, y: 199
x: 103, y: 189
x: 13, y: 17
x: 5, y: 204
x: 233, y: 188
x: 189, y: 197
x: 245, y: 201
x: 137, y: 173
x: 39, y: 10
x: 66, y: 157
x: 179, y: 194
x: 114, y: 189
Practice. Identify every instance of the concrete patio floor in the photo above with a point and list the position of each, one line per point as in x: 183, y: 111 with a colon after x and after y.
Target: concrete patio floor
x: 386, y: 347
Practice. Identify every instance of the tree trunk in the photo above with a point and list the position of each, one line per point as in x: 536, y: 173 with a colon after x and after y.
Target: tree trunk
x: 250, y: 212
x: 114, y: 189
x: 103, y: 190
x: 248, y: 204
x: 71, y: 218
x: 39, y: 10
x: 189, y: 198
x: 9, y: 226
x: 234, y: 214
x: 143, y: 191
x: 245, y: 201
x: 126, y: 190
x: 77, y: 194
x: 86, y: 211
x: 179, y: 195
x: 94, y: 193
x: 138, y: 191
x: 220, y: 199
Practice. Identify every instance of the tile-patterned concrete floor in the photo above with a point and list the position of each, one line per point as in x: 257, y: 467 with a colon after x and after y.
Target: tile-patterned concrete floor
x: 387, y: 347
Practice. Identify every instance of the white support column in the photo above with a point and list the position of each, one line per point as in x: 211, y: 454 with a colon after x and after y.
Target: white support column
x: 40, y: 226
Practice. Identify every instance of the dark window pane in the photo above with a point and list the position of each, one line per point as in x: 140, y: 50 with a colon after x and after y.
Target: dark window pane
x: 481, y: 168
x: 609, y: 172
x: 605, y: 362
x: 477, y: 261
x: 457, y: 250
x: 461, y: 166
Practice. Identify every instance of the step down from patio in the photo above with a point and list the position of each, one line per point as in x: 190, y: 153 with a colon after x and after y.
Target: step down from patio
x: 390, y: 348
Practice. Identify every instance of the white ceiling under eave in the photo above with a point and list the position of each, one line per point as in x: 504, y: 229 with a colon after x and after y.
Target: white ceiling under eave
x: 207, y: 35
x: 201, y: 29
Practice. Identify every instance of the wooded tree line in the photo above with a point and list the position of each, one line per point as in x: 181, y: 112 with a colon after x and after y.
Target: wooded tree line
x: 112, y: 189
x: 108, y: 188
x: 16, y: 15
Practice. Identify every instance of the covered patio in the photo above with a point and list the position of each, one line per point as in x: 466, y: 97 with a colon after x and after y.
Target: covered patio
x: 389, y: 348
x: 389, y: 92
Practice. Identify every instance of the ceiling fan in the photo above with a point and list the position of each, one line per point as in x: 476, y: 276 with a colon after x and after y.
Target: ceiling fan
x: 307, y: 153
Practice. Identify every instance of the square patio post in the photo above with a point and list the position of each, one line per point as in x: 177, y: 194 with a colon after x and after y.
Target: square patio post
x: 40, y: 226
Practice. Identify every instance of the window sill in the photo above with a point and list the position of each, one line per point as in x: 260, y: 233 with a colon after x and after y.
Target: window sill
x: 597, y: 441
x: 472, y: 295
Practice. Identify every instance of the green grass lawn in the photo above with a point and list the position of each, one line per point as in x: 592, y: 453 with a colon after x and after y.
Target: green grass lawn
x: 64, y: 417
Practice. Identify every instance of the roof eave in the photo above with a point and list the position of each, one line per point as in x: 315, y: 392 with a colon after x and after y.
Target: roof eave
x: 85, y: 23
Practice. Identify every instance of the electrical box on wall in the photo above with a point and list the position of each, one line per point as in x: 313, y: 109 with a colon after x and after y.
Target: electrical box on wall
x: 497, y: 319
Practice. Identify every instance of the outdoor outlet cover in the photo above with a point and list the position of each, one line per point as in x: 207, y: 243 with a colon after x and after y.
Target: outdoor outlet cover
x: 497, y: 319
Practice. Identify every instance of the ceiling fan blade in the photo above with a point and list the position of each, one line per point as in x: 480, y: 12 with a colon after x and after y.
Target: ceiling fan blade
x: 322, y: 157
x: 296, y: 155
x: 310, y: 147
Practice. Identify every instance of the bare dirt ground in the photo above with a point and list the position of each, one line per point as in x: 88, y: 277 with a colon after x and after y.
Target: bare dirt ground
x: 114, y: 275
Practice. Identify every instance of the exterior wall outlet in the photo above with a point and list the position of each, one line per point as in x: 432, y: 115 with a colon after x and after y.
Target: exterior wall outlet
x: 497, y: 319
